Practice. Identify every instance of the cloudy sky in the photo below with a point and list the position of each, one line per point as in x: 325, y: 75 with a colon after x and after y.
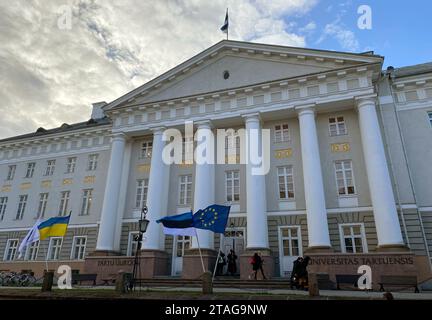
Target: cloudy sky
x: 52, y: 67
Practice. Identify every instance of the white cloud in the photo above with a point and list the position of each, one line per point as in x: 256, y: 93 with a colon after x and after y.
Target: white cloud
x: 345, y: 37
x: 51, y: 76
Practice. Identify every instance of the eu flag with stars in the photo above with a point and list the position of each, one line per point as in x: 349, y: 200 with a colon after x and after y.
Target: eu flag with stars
x: 213, y: 218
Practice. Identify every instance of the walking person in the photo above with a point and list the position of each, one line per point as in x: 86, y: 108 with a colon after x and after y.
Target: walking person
x: 220, y: 264
x: 232, y: 265
x: 257, y: 264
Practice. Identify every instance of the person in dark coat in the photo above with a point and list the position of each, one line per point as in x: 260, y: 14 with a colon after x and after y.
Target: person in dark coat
x: 220, y: 264
x: 257, y: 263
x: 295, y: 272
x: 232, y: 266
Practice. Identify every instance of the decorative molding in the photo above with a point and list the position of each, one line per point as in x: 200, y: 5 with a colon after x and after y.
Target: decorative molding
x: 6, y: 188
x: 89, y: 179
x: 25, y: 185
x: 283, y: 153
x: 46, y: 184
x: 67, y: 181
x: 340, y: 147
x: 143, y: 168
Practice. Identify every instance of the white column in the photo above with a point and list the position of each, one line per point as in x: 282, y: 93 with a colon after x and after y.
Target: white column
x: 157, y: 194
x: 318, y: 232
x: 107, y: 228
x: 383, y: 202
x: 256, y: 200
x: 204, y: 187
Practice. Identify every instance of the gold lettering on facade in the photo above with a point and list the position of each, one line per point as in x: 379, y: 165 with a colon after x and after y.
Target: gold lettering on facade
x: 67, y: 181
x: 25, y: 186
x: 6, y: 188
x: 283, y: 153
x: 340, y: 147
x: 143, y: 168
x: 89, y: 179
x: 46, y: 184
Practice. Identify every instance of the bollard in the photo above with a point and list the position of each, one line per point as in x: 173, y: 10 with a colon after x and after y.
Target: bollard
x: 121, y: 282
x: 207, y: 283
x: 47, y: 281
x: 313, y: 285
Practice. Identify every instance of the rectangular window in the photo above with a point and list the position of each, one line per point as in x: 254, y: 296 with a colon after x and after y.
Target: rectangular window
x: 146, y: 149
x: 78, y: 248
x: 50, y: 167
x: 286, y: 182
x: 22, y: 203
x: 43, y: 200
x: 11, y: 172
x: 141, y: 193
x: 344, y: 177
x: 3, y: 204
x: 132, y: 243
x: 430, y: 117
x: 64, y: 203
x: 70, y: 164
x: 11, y: 250
x: 281, y: 133
x: 353, y: 238
x: 232, y: 184
x: 92, y: 162
x: 30, y: 169
x: 188, y: 151
x: 232, y: 146
x: 54, y: 248
x: 32, y: 251
x: 185, y: 189
x: 337, y: 126
x: 86, y: 202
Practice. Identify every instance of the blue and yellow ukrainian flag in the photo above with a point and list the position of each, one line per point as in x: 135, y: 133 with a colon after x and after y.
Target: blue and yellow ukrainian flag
x: 53, y: 227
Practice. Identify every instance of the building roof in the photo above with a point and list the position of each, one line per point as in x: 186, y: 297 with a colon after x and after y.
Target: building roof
x: 41, y: 132
x: 413, y: 70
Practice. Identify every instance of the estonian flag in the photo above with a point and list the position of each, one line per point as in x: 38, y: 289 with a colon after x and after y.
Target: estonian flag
x: 224, y: 28
x: 178, y: 225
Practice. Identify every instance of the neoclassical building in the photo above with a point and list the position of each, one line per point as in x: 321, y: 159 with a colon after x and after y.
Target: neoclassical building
x: 350, y: 155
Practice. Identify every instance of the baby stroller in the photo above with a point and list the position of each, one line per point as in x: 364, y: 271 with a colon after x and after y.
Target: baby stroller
x: 299, y: 274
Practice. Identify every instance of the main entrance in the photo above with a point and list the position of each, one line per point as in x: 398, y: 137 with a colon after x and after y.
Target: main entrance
x: 290, y: 248
x: 234, y: 238
x: 181, y: 244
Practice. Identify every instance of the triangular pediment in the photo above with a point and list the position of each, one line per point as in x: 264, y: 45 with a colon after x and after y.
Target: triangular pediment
x: 231, y: 64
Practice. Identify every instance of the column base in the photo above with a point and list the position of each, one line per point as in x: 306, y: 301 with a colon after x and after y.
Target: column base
x: 246, y: 268
x: 192, y: 266
x: 318, y: 249
x: 392, y: 248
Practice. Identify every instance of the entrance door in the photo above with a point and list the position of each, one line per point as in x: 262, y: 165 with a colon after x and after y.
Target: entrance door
x: 181, y: 243
x: 234, y: 238
x: 290, y: 248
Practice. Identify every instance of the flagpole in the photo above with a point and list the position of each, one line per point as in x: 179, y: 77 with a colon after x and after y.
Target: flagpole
x: 199, y: 248
x: 217, y: 258
x: 46, y: 257
x: 228, y: 24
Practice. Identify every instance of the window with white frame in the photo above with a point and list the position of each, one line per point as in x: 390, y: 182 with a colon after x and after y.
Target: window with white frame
x: 232, y: 184
x: 86, y: 202
x: 3, y: 204
x: 43, y: 200
x: 78, y: 248
x: 92, y: 162
x: 286, y: 182
x: 11, y: 172
x: 132, y: 243
x: 64, y: 203
x: 141, y: 193
x: 187, y: 150
x: 337, y: 126
x: 183, y: 244
x: 232, y: 143
x: 281, y: 133
x: 30, y: 169
x: 22, y: 203
x: 70, y: 164
x: 11, y: 249
x: 49, y: 171
x: 430, y: 117
x: 32, y: 251
x: 353, y: 238
x: 344, y: 177
x: 146, y: 149
x: 185, y: 189
x: 54, y: 248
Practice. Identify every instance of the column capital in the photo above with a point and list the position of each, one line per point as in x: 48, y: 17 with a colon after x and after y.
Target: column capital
x: 158, y: 130
x: 254, y: 116
x: 119, y: 136
x: 204, y: 124
x: 305, y: 109
x: 363, y: 100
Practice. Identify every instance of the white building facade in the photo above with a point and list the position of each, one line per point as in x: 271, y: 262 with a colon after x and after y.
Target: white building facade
x: 350, y: 155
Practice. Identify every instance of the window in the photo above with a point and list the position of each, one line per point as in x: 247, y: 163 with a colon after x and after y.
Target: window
x: 92, y: 162
x: 22, y: 203
x: 30, y: 169
x: 11, y: 250
x: 232, y: 186
x: 141, y: 193
x: 78, y: 248
x: 86, y: 202
x: 64, y: 203
x: 70, y: 165
x: 290, y: 237
x: 32, y: 251
x: 54, y: 248
x: 183, y: 244
x: 337, y: 126
x: 344, y: 177
x: 187, y: 150
x: 286, y: 182
x: 11, y: 172
x: 132, y: 243
x: 43, y: 199
x: 3, y: 204
x: 281, y: 133
x: 50, y: 167
x: 185, y: 189
x: 146, y: 149
x: 430, y: 117
x: 353, y: 239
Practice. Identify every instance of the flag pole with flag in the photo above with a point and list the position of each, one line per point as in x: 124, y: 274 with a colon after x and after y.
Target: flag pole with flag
x: 225, y: 26
x: 31, y: 237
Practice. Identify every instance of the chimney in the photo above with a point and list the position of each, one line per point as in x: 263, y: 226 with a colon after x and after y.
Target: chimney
x: 97, y: 112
